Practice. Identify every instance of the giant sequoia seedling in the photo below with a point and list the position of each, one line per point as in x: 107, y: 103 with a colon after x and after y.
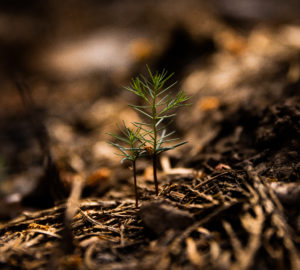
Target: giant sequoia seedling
x: 131, y: 149
x: 159, y: 108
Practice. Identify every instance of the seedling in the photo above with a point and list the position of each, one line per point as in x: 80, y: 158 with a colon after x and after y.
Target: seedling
x: 131, y: 138
x: 149, y: 138
x: 159, y: 106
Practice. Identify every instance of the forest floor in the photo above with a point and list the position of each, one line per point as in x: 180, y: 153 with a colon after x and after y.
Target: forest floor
x: 228, y: 199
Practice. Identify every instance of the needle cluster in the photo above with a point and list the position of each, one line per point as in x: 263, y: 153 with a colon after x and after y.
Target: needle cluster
x: 150, y: 138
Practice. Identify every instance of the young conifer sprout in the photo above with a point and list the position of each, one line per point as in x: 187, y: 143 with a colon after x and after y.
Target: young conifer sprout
x: 159, y: 107
x: 132, y: 150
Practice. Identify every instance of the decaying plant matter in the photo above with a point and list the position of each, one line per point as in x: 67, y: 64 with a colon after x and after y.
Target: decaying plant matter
x: 227, y: 220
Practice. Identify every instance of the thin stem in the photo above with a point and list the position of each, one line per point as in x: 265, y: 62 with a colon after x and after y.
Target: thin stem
x: 135, y: 185
x: 154, y: 127
x: 154, y: 159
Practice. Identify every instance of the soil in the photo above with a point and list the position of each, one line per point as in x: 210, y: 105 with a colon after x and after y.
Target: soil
x: 228, y: 199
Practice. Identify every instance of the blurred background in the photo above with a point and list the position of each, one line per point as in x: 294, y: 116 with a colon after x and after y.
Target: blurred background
x: 76, y: 55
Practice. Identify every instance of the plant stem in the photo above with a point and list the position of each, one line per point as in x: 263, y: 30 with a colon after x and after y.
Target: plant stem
x: 135, y: 185
x: 154, y: 155
x: 154, y: 159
